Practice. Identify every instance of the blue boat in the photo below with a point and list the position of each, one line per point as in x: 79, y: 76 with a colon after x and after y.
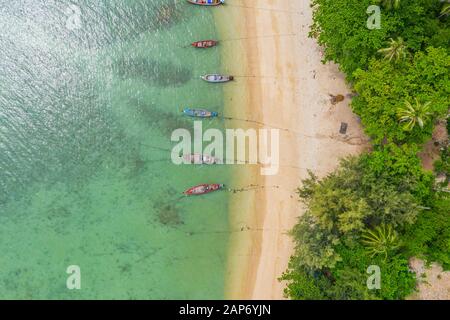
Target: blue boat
x: 207, y: 2
x: 199, y: 113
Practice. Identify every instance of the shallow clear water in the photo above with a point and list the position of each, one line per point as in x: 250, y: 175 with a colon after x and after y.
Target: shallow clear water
x: 85, y: 179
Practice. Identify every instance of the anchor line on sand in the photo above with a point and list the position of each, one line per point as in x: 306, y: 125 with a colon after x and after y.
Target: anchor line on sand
x: 234, y: 190
x: 262, y: 77
x: 262, y: 164
x: 270, y: 126
x: 260, y: 37
x: 240, y: 230
x: 346, y: 140
x: 251, y: 187
x: 228, y: 4
x: 248, y: 38
x: 253, y: 121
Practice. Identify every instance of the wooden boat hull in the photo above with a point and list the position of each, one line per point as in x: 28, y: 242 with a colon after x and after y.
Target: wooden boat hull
x: 207, y: 2
x: 201, y: 159
x: 204, y: 44
x: 203, y: 189
x: 217, y: 78
x: 200, y: 113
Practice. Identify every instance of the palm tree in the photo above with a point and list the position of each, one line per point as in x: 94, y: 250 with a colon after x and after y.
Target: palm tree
x: 412, y: 115
x: 381, y: 240
x: 445, y: 11
x: 389, y: 4
x: 397, y: 49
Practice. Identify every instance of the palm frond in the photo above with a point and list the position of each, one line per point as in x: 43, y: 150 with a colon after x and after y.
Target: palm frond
x: 381, y: 240
x: 411, y: 115
x: 397, y: 49
x: 445, y: 11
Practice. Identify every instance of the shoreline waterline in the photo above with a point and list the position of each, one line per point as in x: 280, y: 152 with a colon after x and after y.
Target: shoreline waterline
x: 287, y: 86
x: 246, y: 209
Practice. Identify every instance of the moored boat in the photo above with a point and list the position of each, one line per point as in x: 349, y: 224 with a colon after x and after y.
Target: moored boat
x: 217, y: 78
x: 203, y: 189
x: 205, y: 44
x: 196, y: 158
x: 200, y: 113
x: 207, y: 2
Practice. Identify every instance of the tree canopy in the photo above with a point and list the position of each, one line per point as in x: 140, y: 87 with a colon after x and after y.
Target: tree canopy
x: 384, y: 88
x: 340, y: 26
x: 382, y: 207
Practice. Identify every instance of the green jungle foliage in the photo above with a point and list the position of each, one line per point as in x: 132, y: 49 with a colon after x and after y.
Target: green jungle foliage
x: 386, y: 88
x: 380, y: 208
x: 340, y: 26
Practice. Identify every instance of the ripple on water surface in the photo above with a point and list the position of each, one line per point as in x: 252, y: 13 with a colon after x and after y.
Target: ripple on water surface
x: 86, y: 115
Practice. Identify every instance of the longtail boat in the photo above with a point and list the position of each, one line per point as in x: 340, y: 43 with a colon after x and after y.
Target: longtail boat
x: 201, y: 159
x: 217, y: 78
x: 200, y: 113
x: 205, y: 44
x: 203, y: 189
x: 207, y: 2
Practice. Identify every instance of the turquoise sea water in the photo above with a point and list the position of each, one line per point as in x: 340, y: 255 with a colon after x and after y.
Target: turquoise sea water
x: 86, y: 115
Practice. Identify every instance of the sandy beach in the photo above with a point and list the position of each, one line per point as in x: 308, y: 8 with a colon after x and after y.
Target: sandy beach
x: 281, y: 82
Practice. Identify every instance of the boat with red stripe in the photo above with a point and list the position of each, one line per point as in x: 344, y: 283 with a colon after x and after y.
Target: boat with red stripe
x: 204, y: 189
x: 207, y: 2
x: 203, y: 44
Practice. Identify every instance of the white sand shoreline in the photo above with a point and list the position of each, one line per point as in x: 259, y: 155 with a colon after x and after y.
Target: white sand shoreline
x: 290, y: 91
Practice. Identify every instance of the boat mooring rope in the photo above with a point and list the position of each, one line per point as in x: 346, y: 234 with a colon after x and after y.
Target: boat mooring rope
x: 251, y: 187
x: 228, y: 4
x: 248, y: 38
x: 264, y: 77
x: 259, y: 37
x: 240, y: 230
x: 254, y: 121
